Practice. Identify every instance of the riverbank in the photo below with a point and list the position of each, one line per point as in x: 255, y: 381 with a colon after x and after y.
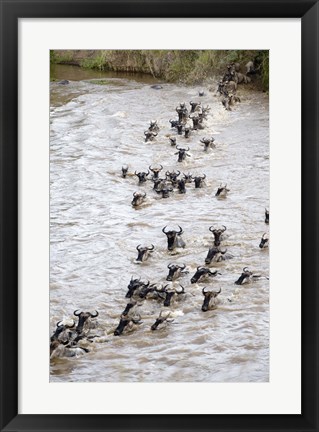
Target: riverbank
x: 176, y: 66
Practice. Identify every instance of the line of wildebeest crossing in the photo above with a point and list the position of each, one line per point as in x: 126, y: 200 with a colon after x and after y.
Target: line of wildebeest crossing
x: 71, y: 339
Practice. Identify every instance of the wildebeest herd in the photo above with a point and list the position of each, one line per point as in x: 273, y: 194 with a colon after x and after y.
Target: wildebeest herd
x: 70, y: 339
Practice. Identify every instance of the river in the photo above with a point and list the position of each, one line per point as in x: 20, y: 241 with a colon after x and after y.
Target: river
x: 97, y: 125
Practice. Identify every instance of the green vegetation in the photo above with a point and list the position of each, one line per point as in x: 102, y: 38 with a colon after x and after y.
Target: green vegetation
x: 182, y: 66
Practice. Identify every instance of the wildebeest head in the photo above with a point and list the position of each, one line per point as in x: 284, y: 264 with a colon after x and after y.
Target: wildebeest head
x: 172, y: 140
x: 188, y: 178
x: 202, y: 273
x: 201, y: 93
x: 132, y: 286
x: 266, y: 216
x: 244, y: 277
x: 182, y: 112
x: 169, y: 293
x: 182, y: 153
x: 179, y: 128
x: 217, y: 234
x: 149, y: 135
x: 125, y: 320
x: 163, y: 316
x: 194, y: 106
x: 164, y: 190
x: 208, y: 142
x: 222, y: 191
x: 172, y: 176
x: 143, y: 252
x: 173, y: 238
x: 146, y: 289
x: 264, y: 242
x: 142, y: 176
x: 199, y: 181
x: 84, y: 319
x: 138, y: 198
x: 156, y: 171
x: 124, y: 170
x: 174, y: 271
x: 215, y: 254
x: 196, y: 121
x: 62, y: 332
x: 209, y: 298
x: 187, y: 132
x: 153, y: 127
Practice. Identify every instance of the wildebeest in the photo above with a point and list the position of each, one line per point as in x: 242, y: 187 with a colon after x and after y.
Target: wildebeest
x: 144, y: 252
x: 172, y: 176
x: 169, y: 293
x: 59, y: 349
x: 127, y: 321
x: 182, y: 112
x: 266, y: 216
x: 174, y: 123
x: 197, y: 121
x: 138, y: 199
x: 156, y: 171
x: 174, y: 238
x: 181, y: 186
x: 188, y: 178
x: 124, y: 170
x: 149, y: 135
x: 85, y: 323
x: 172, y: 141
x: 264, y: 242
x: 175, y: 271
x: 194, y: 106
x: 164, y: 316
x: 208, y: 143
x: 63, y: 332
x: 182, y: 153
x: 153, y: 127
x: 222, y: 191
x: 133, y: 285
x: 215, y: 254
x: 248, y: 276
x: 202, y: 274
x: 142, y: 176
x: 187, y: 132
x: 218, y: 233
x: 209, y: 298
x: 199, y: 181
x: 164, y: 190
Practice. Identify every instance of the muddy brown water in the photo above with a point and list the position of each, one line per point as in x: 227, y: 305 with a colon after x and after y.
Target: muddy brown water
x: 97, y: 124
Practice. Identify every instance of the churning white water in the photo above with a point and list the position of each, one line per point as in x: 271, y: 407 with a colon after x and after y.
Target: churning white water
x: 94, y: 231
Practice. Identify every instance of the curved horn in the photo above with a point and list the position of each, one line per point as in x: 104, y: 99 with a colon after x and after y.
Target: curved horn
x: 135, y: 173
x: 204, y: 176
x: 137, y: 247
x: 151, y: 248
x: 203, y: 290
x: 223, y: 252
x: 245, y: 269
x: 146, y: 133
x: 211, y: 228
x: 218, y: 292
x: 224, y: 228
x: 199, y: 267
x: 187, y: 149
x: 180, y: 229
x: 75, y: 312
x: 135, y: 194
x: 178, y: 148
x: 161, y: 167
x: 58, y: 324
x: 94, y: 315
x: 182, y: 267
x: 150, y: 167
x: 163, y: 230
x: 178, y: 173
x: 169, y: 265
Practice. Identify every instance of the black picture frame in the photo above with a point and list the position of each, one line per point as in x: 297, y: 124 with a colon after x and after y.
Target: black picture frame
x: 11, y: 11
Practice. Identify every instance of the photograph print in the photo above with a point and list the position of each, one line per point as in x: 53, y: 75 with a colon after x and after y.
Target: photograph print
x: 159, y: 216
